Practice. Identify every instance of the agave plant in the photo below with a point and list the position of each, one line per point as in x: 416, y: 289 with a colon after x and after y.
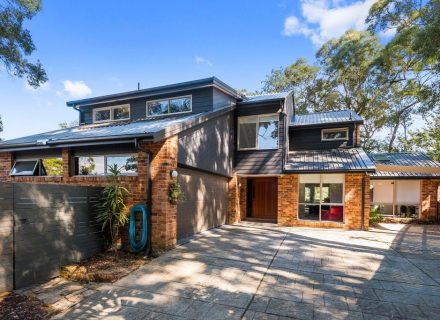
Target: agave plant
x: 110, y: 210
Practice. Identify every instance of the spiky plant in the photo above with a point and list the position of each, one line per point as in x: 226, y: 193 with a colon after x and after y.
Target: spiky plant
x: 110, y: 210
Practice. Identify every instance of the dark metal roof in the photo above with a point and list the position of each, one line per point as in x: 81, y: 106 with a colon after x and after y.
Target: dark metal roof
x: 413, y: 159
x: 171, y: 88
x: 337, y: 160
x: 278, y: 96
x: 340, y: 116
x: 153, y: 129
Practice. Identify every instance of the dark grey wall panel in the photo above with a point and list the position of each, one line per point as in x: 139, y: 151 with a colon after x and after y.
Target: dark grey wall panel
x: 205, y: 205
x: 202, y: 101
x: 6, y: 234
x: 209, y: 146
x: 258, y: 162
x: 221, y: 99
x: 55, y: 225
x: 310, y: 139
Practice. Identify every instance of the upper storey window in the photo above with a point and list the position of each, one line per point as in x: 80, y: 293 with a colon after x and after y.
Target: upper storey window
x: 169, y: 106
x: 258, y: 132
x: 334, y: 134
x: 113, y: 113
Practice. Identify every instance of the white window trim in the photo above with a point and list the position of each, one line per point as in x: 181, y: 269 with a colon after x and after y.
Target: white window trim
x: 169, y: 103
x: 325, y: 204
x: 105, y: 165
x: 111, y: 113
x: 333, y: 130
x: 256, y: 131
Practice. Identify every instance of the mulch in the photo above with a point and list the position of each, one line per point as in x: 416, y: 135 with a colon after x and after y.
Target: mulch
x: 20, y: 307
x: 103, y: 267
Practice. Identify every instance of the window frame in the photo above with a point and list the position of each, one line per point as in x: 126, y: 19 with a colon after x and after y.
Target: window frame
x: 105, y: 174
x: 257, y: 125
x: 37, y: 162
x: 169, y: 104
x: 335, y: 130
x: 111, y: 108
x: 320, y: 201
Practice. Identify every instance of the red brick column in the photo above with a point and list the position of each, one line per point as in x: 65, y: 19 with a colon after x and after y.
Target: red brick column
x: 288, y: 199
x: 164, y: 213
x: 428, y: 199
x: 242, y: 185
x: 6, y: 163
x: 67, y: 163
x: 233, y: 201
x: 353, y: 200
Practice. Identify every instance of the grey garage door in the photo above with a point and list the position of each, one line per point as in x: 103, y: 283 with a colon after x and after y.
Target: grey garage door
x: 205, y: 203
x: 54, y: 225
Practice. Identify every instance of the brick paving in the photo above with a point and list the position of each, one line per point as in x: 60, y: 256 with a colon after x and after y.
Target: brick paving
x: 254, y: 271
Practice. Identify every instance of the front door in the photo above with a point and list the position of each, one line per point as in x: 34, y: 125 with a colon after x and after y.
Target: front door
x: 264, y: 198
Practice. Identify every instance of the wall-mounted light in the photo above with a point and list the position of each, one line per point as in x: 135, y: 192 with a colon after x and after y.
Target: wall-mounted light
x: 174, y: 174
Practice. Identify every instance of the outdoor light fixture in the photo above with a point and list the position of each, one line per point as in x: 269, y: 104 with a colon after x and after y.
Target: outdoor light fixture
x: 174, y: 173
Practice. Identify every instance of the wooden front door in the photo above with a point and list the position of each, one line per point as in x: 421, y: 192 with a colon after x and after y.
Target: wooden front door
x: 264, y: 198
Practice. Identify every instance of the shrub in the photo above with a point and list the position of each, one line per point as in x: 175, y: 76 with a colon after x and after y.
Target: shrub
x: 375, y: 217
x: 111, y: 205
x: 175, y: 192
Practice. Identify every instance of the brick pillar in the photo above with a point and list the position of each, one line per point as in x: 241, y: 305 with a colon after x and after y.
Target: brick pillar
x: 6, y: 163
x: 67, y: 163
x: 234, y: 200
x: 428, y: 199
x: 164, y: 213
x: 353, y: 200
x: 242, y: 185
x: 287, y: 199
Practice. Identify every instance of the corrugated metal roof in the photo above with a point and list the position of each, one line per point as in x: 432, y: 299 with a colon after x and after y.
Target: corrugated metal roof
x: 413, y: 159
x: 338, y: 160
x: 129, y: 129
x: 264, y: 97
x: 325, y: 117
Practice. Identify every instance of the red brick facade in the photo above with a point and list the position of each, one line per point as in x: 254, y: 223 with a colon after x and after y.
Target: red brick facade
x: 288, y: 203
x: 428, y: 199
x: 164, y: 160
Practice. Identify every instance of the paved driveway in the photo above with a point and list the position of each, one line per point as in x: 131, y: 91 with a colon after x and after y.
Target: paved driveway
x: 257, y: 272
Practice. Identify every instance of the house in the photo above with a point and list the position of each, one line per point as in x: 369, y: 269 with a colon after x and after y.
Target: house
x: 405, y: 185
x: 237, y: 158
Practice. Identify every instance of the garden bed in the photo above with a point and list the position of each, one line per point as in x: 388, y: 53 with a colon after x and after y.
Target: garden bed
x: 21, y: 307
x: 103, y: 267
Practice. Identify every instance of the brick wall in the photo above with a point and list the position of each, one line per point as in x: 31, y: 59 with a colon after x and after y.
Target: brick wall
x: 288, y: 202
x: 237, y: 206
x: 428, y: 199
x: 164, y: 159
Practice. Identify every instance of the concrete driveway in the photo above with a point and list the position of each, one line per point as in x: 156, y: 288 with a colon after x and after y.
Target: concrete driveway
x: 261, y: 272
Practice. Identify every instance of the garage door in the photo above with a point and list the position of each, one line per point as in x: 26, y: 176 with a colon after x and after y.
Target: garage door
x: 205, y: 203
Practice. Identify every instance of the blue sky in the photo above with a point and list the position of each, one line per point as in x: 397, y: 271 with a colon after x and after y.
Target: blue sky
x: 91, y: 48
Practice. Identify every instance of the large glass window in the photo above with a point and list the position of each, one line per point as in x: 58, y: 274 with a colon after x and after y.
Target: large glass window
x: 25, y: 168
x: 169, y: 106
x: 258, y: 132
x: 113, y: 113
x: 321, y: 197
x: 100, y: 165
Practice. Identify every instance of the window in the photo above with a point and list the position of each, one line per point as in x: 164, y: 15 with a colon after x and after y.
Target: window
x: 99, y: 165
x: 25, y: 168
x: 53, y: 166
x: 114, y: 113
x: 321, y: 197
x: 169, y: 106
x: 258, y: 132
x: 334, y: 134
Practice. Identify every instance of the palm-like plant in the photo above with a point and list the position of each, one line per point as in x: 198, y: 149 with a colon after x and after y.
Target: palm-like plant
x: 110, y: 210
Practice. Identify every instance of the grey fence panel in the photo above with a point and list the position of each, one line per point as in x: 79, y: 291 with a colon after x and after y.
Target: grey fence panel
x: 6, y: 236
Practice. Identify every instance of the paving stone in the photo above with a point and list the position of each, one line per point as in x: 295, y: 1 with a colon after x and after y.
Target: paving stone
x: 290, y: 309
x: 197, y: 310
x: 327, y: 313
x: 259, y: 303
x: 220, y: 312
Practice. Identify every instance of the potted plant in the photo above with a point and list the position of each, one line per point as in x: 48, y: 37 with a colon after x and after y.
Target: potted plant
x: 175, y: 192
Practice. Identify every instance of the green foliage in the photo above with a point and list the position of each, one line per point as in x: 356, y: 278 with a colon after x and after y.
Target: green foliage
x: 16, y: 41
x: 110, y: 210
x: 53, y: 166
x: 375, y: 217
x: 65, y: 124
x: 175, y: 192
x: 427, y: 139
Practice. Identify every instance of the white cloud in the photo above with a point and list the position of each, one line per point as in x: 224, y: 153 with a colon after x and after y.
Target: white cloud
x: 202, y: 60
x: 76, y: 89
x: 44, y: 87
x: 323, y: 20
